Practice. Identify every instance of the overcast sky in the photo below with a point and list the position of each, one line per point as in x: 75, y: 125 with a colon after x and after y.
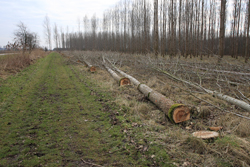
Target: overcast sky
x: 32, y: 12
x: 62, y: 12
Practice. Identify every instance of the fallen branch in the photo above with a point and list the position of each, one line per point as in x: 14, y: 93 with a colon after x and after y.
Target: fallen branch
x: 229, y: 99
x: 215, y: 105
x: 190, y: 93
x: 222, y: 71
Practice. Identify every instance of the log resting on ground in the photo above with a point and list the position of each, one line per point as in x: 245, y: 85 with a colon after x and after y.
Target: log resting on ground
x: 175, y: 112
x: 122, y: 80
x: 229, y: 99
x: 91, y: 68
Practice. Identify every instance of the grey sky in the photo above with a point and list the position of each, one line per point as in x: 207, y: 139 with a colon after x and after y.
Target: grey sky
x: 32, y: 12
x: 62, y: 12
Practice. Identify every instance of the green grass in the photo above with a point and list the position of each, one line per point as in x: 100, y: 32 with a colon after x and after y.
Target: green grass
x: 48, y: 116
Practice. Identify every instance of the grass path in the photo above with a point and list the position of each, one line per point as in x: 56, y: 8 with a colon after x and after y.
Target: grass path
x: 48, y: 116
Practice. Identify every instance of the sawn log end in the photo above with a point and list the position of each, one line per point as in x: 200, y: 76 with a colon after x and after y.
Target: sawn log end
x: 124, y: 81
x: 179, y: 113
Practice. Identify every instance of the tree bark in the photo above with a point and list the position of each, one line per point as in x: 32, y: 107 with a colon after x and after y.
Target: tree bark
x: 91, y: 68
x: 187, y: 26
x: 175, y: 112
x: 229, y: 99
x: 238, y: 30
x: 180, y: 8
x: 156, y: 35
x: 247, y: 38
x: 122, y: 80
x: 222, y: 29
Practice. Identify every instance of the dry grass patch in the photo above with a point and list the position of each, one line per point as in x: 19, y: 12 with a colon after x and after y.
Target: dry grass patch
x: 176, y: 140
x: 102, y: 78
x: 233, y: 150
x: 166, y: 90
x: 153, y: 82
x: 15, y: 62
x: 142, y: 109
x: 243, y: 129
x: 197, y: 145
x: 229, y: 122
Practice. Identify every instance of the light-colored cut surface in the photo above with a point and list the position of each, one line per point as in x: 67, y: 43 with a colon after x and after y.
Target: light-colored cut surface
x: 205, y: 134
x: 181, y: 114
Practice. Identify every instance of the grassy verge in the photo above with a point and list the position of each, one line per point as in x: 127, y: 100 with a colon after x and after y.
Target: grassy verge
x: 51, y: 115
x: 15, y: 62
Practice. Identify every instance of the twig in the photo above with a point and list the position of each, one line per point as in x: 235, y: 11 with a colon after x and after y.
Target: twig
x: 244, y: 96
x: 90, y: 163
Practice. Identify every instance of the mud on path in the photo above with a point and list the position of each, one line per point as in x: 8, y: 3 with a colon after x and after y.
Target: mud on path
x: 50, y: 115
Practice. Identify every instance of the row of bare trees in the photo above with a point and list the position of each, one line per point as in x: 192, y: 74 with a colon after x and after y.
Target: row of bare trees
x: 175, y: 27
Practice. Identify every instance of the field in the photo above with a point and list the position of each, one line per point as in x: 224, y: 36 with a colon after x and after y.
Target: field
x: 57, y: 113
x: 210, y: 111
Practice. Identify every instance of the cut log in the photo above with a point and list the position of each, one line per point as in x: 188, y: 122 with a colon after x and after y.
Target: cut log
x: 133, y: 80
x: 215, y: 128
x: 206, y: 134
x: 122, y: 80
x: 91, y: 68
x: 229, y: 99
x: 175, y: 112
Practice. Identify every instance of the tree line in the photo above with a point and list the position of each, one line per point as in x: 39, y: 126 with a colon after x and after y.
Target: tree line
x: 175, y: 27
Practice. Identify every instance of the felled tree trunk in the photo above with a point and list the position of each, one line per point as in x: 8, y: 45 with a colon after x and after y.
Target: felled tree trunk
x: 91, y: 68
x: 228, y: 99
x: 133, y: 80
x: 122, y: 80
x: 175, y: 112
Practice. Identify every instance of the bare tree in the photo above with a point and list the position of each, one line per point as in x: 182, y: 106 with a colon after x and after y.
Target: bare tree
x: 164, y: 27
x: 247, y: 32
x: 191, y: 29
x: 156, y: 35
x: 187, y: 26
x: 62, y: 38
x: 233, y: 28
x: 179, y: 41
x: 238, y: 28
x: 56, y: 36
x: 86, y: 29
x: 222, y: 29
x: 202, y: 28
x: 125, y: 26
x: 94, y: 28
x: 27, y: 40
x: 47, y: 31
